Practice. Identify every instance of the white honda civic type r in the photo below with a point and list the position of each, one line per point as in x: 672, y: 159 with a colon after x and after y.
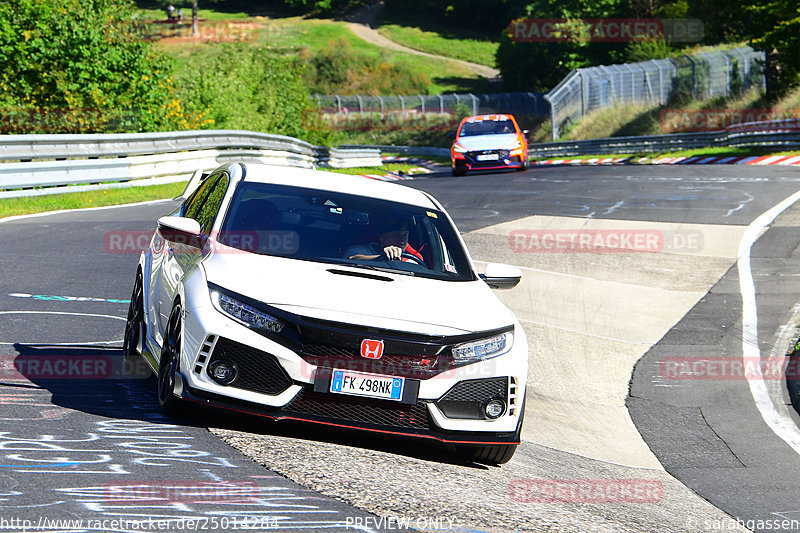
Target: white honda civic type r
x: 304, y: 295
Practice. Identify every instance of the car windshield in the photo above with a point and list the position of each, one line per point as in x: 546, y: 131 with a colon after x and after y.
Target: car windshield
x: 332, y: 227
x: 487, y: 127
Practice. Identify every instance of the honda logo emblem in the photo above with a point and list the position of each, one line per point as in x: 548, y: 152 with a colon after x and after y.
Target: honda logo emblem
x: 371, y: 349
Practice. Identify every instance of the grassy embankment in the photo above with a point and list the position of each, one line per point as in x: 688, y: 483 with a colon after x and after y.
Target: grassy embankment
x: 305, y: 37
x: 634, y: 120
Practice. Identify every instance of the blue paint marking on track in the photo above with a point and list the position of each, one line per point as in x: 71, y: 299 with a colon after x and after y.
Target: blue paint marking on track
x: 39, y: 466
x: 50, y: 297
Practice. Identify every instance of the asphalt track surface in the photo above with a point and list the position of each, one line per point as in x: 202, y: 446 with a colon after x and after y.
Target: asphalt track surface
x: 706, y: 431
x: 97, y: 448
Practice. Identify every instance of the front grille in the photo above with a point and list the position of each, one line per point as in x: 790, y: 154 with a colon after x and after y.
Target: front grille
x: 330, y: 351
x: 501, y: 154
x: 257, y: 371
x: 342, y: 408
x: 467, y: 398
x: 335, y: 345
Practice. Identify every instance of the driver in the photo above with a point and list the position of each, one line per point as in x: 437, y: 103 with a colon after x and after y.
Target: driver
x: 392, y: 243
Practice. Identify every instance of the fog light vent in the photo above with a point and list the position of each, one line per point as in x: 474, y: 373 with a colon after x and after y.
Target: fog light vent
x: 204, y: 352
x: 512, y: 396
x: 470, y: 398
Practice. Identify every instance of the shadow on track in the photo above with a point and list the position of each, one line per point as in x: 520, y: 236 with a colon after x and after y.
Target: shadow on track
x: 94, y: 379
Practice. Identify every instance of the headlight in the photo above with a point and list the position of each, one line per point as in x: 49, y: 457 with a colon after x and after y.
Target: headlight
x: 458, y: 148
x: 515, y: 145
x: 483, y: 349
x: 244, y: 313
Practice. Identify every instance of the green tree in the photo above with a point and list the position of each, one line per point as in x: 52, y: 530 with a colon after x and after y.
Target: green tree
x: 777, y: 32
x: 772, y: 26
x: 82, y: 66
x: 540, y: 66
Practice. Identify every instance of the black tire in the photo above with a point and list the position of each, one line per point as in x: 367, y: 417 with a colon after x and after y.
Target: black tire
x: 459, y: 172
x: 523, y: 166
x: 168, y: 365
x: 133, y: 340
x: 495, y: 454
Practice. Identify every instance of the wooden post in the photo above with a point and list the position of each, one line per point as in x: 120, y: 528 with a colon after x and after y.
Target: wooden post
x: 195, y: 28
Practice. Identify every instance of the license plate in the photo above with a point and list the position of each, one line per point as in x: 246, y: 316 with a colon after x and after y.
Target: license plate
x: 368, y: 385
x: 487, y: 157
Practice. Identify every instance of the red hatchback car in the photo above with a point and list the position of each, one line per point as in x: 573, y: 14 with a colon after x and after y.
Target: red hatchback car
x: 486, y: 142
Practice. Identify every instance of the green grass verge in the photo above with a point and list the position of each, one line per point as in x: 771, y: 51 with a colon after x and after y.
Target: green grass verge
x: 473, y: 50
x: 76, y: 200
x: 389, y: 167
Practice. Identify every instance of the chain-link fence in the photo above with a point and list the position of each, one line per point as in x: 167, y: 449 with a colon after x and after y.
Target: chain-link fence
x: 443, y: 111
x: 701, y: 76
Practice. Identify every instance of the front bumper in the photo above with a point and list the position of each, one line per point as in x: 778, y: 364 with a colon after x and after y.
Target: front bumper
x: 477, y: 160
x: 282, y: 383
x: 308, y: 406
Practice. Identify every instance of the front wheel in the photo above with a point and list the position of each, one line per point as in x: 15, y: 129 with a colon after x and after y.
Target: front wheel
x: 459, y: 172
x: 133, y: 340
x: 168, y: 366
x: 496, y: 454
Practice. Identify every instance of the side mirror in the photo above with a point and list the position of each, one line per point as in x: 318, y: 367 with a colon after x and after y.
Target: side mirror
x: 525, y: 132
x: 500, y: 276
x: 181, y: 230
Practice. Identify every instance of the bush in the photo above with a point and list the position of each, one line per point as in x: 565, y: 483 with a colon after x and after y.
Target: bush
x: 81, y: 66
x: 339, y: 69
x: 251, y: 87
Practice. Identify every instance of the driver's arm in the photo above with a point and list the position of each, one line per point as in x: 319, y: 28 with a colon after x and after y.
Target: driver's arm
x: 391, y: 252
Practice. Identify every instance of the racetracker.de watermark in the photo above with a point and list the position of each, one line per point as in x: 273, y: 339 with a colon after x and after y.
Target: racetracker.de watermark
x: 681, y: 119
x: 604, y: 30
x: 71, y: 366
x: 727, y: 368
x: 388, y: 120
x: 604, y: 241
x: 181, y: 491
x: 586, y: 491
x: 283, y: 242
x: 220, y: 32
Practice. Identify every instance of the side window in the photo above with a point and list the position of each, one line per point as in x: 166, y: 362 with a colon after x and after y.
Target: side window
x: 211, y: 205
x: 195, y: 201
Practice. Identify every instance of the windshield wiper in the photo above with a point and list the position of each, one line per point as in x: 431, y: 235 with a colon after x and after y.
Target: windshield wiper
x: 373, y: 267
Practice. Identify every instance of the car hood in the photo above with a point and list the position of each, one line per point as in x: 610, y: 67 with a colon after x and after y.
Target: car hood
x: 406, y: 303
x: 487, y: 142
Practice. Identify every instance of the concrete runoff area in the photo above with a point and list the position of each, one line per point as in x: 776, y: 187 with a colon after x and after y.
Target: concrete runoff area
x: 588, y: 322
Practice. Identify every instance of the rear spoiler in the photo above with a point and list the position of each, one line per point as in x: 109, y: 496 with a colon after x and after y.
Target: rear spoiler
x: 194, y: 182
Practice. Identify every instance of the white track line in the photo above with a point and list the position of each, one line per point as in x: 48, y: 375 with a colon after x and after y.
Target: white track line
x: 78, y: 210
x: 782, y: 426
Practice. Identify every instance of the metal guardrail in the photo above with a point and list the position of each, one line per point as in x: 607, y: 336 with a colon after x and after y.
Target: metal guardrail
x: 769, y: 134
x: 403, y: 150
x: 31, y: 161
